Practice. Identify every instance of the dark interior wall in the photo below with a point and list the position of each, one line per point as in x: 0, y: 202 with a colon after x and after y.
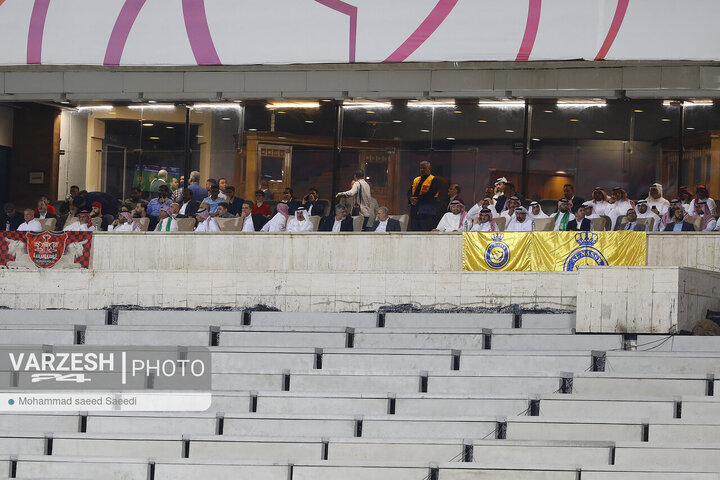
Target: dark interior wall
x: 36, y: 148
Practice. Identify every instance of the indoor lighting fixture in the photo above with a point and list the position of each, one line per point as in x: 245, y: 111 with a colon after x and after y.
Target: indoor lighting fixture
x: 637, y: 110
x: 509, y: 131
x: 561, y: 172
x: 217, y: 106
x: 148, y: 124
x: 96, y: 107
x: 363, y: 141
x: 581, y: 103
x: 370, y: 111
x: 152, y: 101
x: 288, y: 105
x: 549, y: 111
x: 665, y: 120
x: 482, y: 121
x: 457, y: 111
x: 226, y: 118
x: 367, y: 104
x: 574, y: 120
x: 425, y: 130
x: 397, y: 121
x: 431, y: 104
x: 326, y: 100
x: 506, y: 103
x: 199, y: 136
x: 687, y: 103
x: 154, y: 106
x: 450, y: 138
x: 690, y: 128
x: 282, y: 138
x: 170, y: 128
x: 309, y: 121
x: 535, y: 139
x: 252, y: 129
x: 599, y: 131
x: 154, y: 138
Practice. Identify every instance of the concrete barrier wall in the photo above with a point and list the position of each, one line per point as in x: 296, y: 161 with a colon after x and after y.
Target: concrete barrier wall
x: 694, y: 250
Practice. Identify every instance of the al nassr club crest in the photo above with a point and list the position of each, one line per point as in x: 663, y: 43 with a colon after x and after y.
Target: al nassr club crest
x: 497, y: 253
x: 586, y: 253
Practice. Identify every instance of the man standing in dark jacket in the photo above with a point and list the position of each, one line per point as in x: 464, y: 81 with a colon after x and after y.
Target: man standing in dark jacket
x: 421, y: 197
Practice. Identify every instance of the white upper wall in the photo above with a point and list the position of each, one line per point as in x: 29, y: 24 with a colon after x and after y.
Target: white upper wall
x: 231, y: 32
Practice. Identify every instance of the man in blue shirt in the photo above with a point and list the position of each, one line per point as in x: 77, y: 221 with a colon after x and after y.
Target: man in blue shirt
x: 163, y: 199
x: 198, y: 192
x: 214, y: 199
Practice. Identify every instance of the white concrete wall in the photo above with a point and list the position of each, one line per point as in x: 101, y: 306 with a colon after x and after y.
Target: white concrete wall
x: 695, y: 250
x: 644, y: 299
x: 6, y: 126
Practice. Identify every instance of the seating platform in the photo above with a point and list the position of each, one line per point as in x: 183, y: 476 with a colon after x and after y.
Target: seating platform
x: 378, y: 395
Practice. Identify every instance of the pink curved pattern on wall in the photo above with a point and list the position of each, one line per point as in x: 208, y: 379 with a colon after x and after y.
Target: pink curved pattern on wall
x: 428, y: 26
x: 121, y: 30
x: 531, y: 29
x: 617, y: 21
x: 198, y: 32
x: 350, y: 11
x: 36, y: 31
x: 2, y: 1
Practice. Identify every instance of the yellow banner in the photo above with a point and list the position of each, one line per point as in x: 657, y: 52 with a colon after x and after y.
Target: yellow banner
x: 551, y: 251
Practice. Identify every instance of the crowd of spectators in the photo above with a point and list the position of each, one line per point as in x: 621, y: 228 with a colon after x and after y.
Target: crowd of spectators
x: 502, y: 208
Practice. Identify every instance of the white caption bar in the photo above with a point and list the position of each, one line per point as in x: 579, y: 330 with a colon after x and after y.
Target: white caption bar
x: 108, y: 401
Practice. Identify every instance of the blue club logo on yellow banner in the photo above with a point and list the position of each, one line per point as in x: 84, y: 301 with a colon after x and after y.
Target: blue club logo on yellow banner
x: 551, y: 251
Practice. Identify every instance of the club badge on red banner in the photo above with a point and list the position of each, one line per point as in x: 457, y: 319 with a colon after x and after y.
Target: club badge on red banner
x: 32, y: 250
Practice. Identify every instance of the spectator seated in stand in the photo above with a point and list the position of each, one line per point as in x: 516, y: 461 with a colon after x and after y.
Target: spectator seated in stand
x: 278, y: 223
x: 82, y: 224
x: 287, y: 199
x: 311, y: 203
x: 10, y: 219
x: 631, y: 222
x: 214, y: 199
x: 251, y: 222
x: 384, y: 223
x: 167, y: 221
x: 562, y: 216
x: 521, y: 222
x: 678, y: 223
x: 135, y: 198
x: 205, y: 222
x: 485, y: 222
x: 260, y: 206
x: 300, y: 222
x: 453, y: 220
x: 579, y: 223
x: 340, y: 222
x: 30, y: 224
x: 708, y: 222
x: 124, y: 223
x: 234, y: 203
x: 222, y: 211
x: 43, y: 210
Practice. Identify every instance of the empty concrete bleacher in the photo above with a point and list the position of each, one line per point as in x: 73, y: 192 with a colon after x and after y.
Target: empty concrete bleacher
x: 53, y: 317
x: 373, y: 396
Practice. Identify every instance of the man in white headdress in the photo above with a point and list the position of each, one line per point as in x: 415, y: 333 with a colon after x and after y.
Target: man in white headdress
x: 167, y: 223
x: 620, y: 204
x: 125, y: 223
x: 600, y: 202
x: 521, y: 222
x: 278, y: 223
x: 511, y: 204
x: 641, y: 209
x: 590, y: 213
x: 485, y: 222
x: 486, y: 202
x: 655, y: 201
x: 499, y: 187
x: 453, y: 220
x: 300, y: 223
x: 206, y: 223
x: 536, y: 211
x: 562, y: 216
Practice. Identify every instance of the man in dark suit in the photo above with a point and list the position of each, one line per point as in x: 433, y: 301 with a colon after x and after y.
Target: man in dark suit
x: 312, y: 203
x: 287, y: 198
x: 251, y: 221
x: 569, y: 194
x: 384, y: 223
x: 10, y: 220
x: 679, y: 224
x: 188, y: 207
x: 579, y: 223
x: 42, y: 210
x: 340, y: 222
x: 631, y: 222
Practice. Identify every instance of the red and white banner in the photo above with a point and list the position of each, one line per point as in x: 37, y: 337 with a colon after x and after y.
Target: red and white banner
x: 241, y: 32
x: 29, y: 250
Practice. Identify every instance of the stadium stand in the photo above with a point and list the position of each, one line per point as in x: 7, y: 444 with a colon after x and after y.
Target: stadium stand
x: 421, y: 396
